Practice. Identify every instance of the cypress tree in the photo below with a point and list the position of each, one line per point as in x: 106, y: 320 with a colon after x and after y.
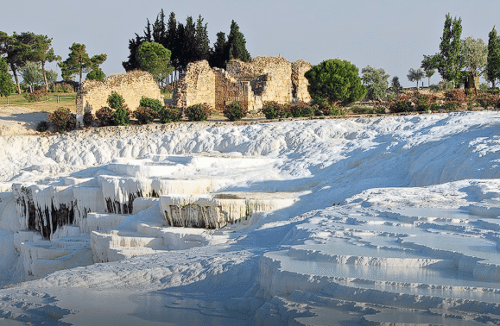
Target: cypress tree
x: 202, y: 41
x: 132, y: 62
x: 237, y: 44
x: 450, y: 58
x: 493, y: 61
x: 220, y: 53
x: 159, y: 29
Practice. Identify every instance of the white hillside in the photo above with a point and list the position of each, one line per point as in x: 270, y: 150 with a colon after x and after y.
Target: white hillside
x: 393, y: 219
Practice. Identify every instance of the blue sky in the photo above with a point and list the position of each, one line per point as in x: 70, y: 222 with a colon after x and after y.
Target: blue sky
x: 389, y: 34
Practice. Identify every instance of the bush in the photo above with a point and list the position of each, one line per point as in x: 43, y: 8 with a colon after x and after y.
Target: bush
x: 336, y: 82
x: 452, y: 106
x: 424, y: 102
x: 488, y: 100
x: 121, y: 117
x: 442, y: 86
x: 402, y: 103
x: 88, y: 118
x: 362, y: 110
x: 328, y: 110
x: 35, y: 96
x: 167, y: 114
x: 61, y: 118
x: 197, y: 112
x: 302, y: 109
x: 62, y: 88
x: 116, y: 101
x: 167, y: 89
x: 42, y: 126
x: 274, y: 110
x: 235, y: 111
x: 105, y: 116
x: 145, y: 115
x: 151, y: 103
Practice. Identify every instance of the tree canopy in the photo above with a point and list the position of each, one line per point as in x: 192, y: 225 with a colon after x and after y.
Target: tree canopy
x: 7, y: 87
x: 415, y: 75
x: 16, y: 53
x: 335, y: 82
x: 155, y: 58
x: 375, y: 81
x: 450, y: 56
x: 189, y: 42
x: 96, y: 74
x: 79, y: 62
x: 474, y: 54
x: 237, y: 44
x: 493, y: 58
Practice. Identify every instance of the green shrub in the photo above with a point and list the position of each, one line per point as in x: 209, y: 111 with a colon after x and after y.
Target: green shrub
x: 274, y: 110
x: 42, y: 126
x: 167, y: 89
x: 488, y: 100
x: 116, y: 101
x: 330, y: 110
x: 424, y: 102
x: 442, y: 86
x: 121, y: 117
x: 402, y: 103
x: 302, y: 109
x: 235, y: 111
x: 61, y: 118
x: 145, y: 115
x: 35, y: 96
x: 151, y: 103
x: 88, y: 118
x: 197, y: 112
x: 379, y: 109
x: 452, y: 106
x: 362, y: 110
x: 167, y: 114
x: 62, y: 88
x: 105, y: 116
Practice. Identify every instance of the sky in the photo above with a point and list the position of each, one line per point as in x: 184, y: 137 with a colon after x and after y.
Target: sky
x: 389, y: 34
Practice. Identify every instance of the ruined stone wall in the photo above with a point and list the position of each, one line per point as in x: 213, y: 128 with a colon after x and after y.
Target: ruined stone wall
x: 197, y: 85
x: 300, y: 83
x: 270, y: 77
x: 251, y: 83
x: 132, y: 86
x: 228, y: 89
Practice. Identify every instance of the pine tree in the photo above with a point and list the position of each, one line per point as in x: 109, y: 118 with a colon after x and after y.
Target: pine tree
x: 237, y: 44
x: 17, y: 53
x: 7, y: 87
x: 493, y: 61
x: 79, y: 62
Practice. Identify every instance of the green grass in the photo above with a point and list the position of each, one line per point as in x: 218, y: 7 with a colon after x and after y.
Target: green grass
x: 49, y: 103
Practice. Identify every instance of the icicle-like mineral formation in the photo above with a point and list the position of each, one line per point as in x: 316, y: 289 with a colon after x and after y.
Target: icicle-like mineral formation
x: 211, y: 212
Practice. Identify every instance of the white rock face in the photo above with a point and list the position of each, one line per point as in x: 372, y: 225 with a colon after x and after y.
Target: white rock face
x: 359, y: 221
x: 213, y: 213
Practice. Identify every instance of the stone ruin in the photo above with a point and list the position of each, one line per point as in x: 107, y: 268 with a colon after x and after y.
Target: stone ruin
x: 132, y: 85
x: 251, y: 83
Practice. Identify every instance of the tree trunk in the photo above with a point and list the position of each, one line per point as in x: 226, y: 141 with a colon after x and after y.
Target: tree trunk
x: 14, y: 72
x: 45, y: 77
